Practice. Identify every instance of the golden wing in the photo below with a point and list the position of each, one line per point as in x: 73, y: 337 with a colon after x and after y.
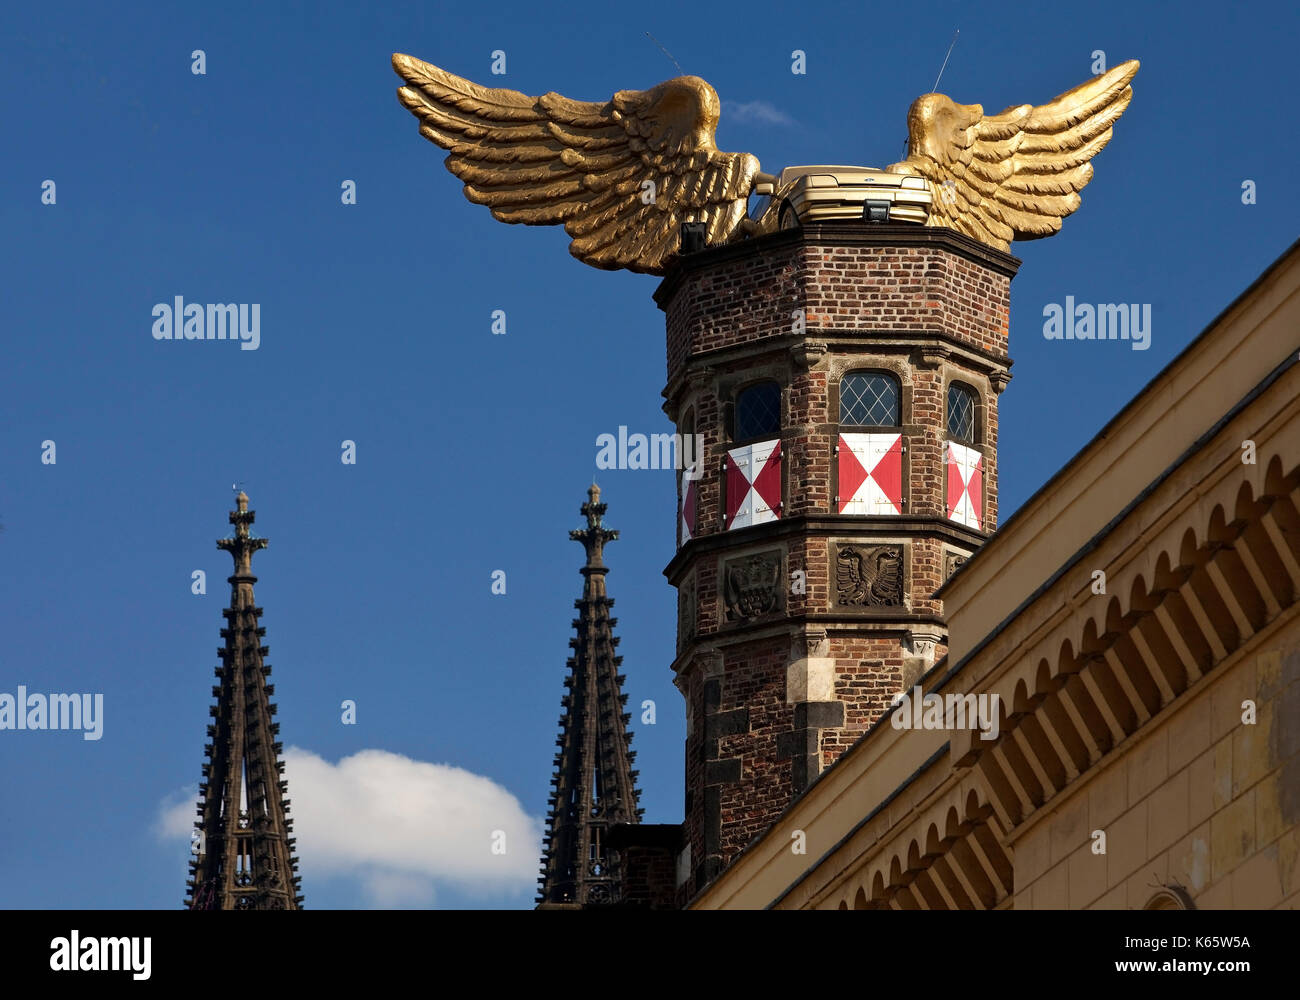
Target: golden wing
x: 620, y: 176
x: 1015, y: 175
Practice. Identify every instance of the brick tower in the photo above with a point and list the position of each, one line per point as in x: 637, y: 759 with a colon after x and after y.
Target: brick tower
x: 843, y: 378
x: 594, y: 784
x: 244, y: 853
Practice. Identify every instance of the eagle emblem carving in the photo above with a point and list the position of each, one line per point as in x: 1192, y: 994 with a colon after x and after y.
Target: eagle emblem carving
x: 870, y: 577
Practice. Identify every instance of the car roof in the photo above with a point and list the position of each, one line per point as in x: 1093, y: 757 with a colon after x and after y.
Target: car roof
x: 790, y: 173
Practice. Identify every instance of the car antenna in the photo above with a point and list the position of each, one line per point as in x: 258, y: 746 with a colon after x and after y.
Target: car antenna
x: 667, y: 53
x: 935, y: 88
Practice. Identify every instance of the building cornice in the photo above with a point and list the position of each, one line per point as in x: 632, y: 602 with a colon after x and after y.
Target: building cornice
x: 867, y: 527
x: 846, y: 233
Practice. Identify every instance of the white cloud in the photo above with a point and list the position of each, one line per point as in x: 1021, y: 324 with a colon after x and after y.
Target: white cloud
x: 176, y: 814
x: 755, y: 111
x: 389, y: 890
x: 398, y: 826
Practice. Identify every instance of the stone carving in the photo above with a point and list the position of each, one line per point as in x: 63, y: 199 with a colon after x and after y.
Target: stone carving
x: 808, y: 642
x: 923, y: 644
x: 953, y: 561
x: 752, y: 586
x: 869, y: 576
x: 807, y: 353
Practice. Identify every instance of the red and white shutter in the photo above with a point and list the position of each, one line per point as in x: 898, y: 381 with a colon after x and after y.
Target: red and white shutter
x: 753, y: 484
x: 688, y: 507
x: 871, y: 474
x: 965, y: 485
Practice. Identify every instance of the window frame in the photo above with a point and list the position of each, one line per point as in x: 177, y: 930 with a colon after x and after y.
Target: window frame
x: 733, y: 431
x: 973, y: 394
x: 898, y: 391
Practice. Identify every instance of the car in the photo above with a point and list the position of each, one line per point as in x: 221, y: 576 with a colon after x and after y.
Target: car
x: 802, y: 195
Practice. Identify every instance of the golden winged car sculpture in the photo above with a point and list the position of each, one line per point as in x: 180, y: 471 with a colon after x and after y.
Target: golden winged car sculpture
x: 622, y: 176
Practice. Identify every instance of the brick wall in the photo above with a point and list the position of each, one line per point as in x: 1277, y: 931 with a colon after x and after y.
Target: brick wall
x: 868, y: 673
x: 754, y: 680
x: 649, y: 878
x: 736, y: 779
x: 907, y: 286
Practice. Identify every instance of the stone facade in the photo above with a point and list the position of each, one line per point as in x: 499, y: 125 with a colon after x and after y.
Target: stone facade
x: 1205, y: 806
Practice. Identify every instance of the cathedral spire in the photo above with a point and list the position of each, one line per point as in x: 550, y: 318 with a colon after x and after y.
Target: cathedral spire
x: 595, y: 535
x: 243, y: 856
x: 594, y: 784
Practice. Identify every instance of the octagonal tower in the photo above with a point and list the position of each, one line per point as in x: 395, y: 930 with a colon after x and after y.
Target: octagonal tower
x: 843, y: 381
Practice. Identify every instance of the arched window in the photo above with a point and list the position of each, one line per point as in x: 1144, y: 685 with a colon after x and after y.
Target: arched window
x: 758, y: 412
x: 1170, y: 897
x: 961, y: 412
x: 870, y: 399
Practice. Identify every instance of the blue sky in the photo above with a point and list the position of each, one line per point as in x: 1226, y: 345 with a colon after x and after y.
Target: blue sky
x: 473, y: 450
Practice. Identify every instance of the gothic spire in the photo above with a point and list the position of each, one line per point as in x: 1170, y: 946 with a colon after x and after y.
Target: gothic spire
x: 594, y: 784
x: 243, y: 857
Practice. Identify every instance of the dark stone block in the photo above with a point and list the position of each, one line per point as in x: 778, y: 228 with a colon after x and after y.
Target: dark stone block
x: 720, y: 771
x: 796, y: 743
x: 712, y: 696
x: 726, y: 724
x: 803, y: 769
x: 819, y: 715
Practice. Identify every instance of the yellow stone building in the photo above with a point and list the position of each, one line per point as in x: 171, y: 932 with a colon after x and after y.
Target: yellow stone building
x: 1137, y: 620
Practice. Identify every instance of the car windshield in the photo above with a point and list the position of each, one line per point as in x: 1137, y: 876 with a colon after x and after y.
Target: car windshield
x: 760, y: 206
